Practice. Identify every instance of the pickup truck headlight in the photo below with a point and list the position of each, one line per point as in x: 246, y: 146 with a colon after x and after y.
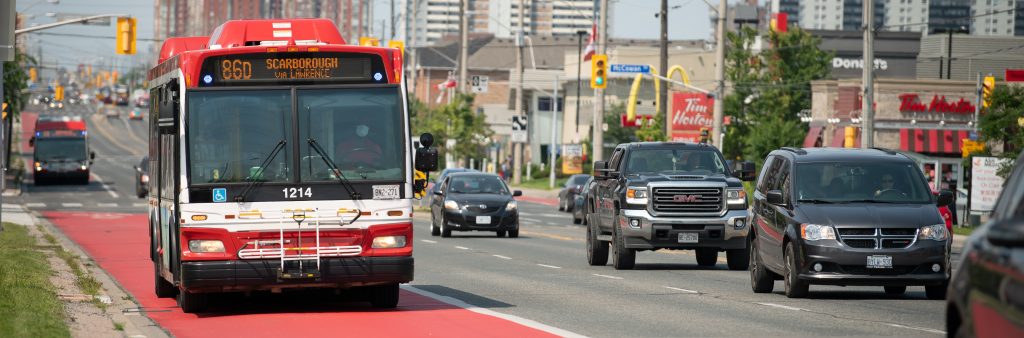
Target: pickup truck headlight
x: 636, y: 195
x: 935, y: 232
x: 451, y: 205
x: 736, y: 197
x: 814, y: 232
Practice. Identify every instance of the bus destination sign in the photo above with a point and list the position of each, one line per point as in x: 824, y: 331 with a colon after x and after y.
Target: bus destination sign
x: 290, y: 68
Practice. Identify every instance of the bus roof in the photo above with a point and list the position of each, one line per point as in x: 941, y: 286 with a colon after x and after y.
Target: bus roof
x: 60, y: 125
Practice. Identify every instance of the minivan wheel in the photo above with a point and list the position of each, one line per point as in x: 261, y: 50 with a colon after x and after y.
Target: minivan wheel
x: 707, y: 257
x: 795, y: 288
x: 597, y: 250
x: 895, y: 290
x: 936, y: 291
x: 622, y: 257
x: 760, y: 281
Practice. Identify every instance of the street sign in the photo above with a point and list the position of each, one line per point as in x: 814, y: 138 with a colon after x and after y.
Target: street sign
x: 478, y: 83
x: 626, y: 68
x: 985, y: 183
x: 519, y: 128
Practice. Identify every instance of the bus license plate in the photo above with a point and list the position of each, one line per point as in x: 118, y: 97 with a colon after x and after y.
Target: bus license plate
x: 385, y: 192
x: 879, y: 262
x: 483, y: 219
x: 687, y: 237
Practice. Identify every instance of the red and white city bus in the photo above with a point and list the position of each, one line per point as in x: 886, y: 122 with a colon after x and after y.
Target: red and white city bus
x: 280, y: 158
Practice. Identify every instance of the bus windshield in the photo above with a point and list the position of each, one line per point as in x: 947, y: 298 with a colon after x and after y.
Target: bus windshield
x: 60, y: 148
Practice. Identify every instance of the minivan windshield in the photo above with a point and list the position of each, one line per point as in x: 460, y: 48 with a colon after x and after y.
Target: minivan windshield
x: 860, y: 182
x: 675, y: 161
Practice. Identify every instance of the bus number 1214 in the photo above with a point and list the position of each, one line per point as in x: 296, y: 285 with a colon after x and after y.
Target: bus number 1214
x: 297, y: 192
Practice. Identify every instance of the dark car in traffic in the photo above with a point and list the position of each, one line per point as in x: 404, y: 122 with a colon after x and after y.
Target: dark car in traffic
x: 847, y: 217
x: 581, y: 204
x: 444, y: 173
x: 474, y: 201
x: 986, y: 295
x: 572, y: 186
x: 142, y: 178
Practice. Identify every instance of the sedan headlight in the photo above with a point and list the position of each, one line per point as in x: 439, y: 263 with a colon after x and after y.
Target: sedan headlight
x: 935, y: 232
x: 387, y: 242
x: 451, y: 205
x: 512, y: 205
x: 814, y: 232
x: 205, y: 245
x: 736, y: 197
x: 636, y: 195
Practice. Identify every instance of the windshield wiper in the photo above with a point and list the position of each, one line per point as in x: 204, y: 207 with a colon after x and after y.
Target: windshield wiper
x: 259, y: 170
x: 334, y: 167
x: 815, y: 201
x: 870, y: 201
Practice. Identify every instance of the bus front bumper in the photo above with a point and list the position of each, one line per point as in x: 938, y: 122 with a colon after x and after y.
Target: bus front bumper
x: 263, y: 274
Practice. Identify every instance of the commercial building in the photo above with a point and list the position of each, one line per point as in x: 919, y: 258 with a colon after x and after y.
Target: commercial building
x: 174, y: 18
x: 434, y: 19
x: 977, y: 17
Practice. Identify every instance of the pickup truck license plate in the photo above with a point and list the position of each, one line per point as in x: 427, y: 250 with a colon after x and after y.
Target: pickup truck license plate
x: 879, y: 262
x: 483, y: 219
x: 687, y: 237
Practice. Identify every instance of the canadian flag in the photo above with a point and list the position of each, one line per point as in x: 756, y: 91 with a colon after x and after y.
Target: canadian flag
x: 443, y: 87
x: 591, y: 44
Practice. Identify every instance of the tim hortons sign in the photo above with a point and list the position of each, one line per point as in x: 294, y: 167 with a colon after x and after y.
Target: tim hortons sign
x: 690, y: 113
x: 911, y: 103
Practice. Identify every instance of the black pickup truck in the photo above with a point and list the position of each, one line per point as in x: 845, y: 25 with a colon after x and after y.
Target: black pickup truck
x: 668, y: 195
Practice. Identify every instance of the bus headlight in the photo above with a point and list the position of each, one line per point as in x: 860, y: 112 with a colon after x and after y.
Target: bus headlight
x: 636, y: 195
x: 205, y: 245
x: 386, y: 242
x: 935, y: 232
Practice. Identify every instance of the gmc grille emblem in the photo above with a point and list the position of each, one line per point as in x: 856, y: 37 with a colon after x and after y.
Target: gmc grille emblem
x: 685, y: 198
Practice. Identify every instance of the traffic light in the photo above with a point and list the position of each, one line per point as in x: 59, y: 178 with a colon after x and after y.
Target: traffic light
x: 705, y: 135
x: 5, y: 111
x: 33, y: 74
x: 368, y: 41
x: 58, y: 93
x: 125, y: 35
x: 987, y: 87
x: 599, y: 71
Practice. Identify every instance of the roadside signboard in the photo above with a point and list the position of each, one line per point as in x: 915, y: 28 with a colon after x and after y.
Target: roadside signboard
x: 478, y: 83
x: 572, y: 159
x: 689, y: 113
x: 519, y: 128
x: 985, y: 184
x: 626, y: 68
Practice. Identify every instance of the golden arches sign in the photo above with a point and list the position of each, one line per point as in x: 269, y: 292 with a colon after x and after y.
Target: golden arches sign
x: 631, y: 106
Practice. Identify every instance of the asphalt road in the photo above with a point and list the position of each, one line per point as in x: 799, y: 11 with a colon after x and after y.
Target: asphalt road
x: 543, y: 275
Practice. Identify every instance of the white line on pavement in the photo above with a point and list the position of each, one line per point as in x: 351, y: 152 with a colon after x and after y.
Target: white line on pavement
x: 550, y: 266
x: 502, y: 257
x: 105, y: 186
x: 427, y: 241
x: 529, y: 220
x: 71, y: 205
x: 781, y: 306
x: 918, y: 328
x: 551, y: 215
x: 139, y: 205
x: 681, y: 290
x: 35, y: 205
x: 515, y: 319
x: 461, y: 247
x: 607, y: 276
x: 106, y: 205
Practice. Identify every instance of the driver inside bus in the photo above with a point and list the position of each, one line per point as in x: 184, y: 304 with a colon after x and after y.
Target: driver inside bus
x: 359, y: 150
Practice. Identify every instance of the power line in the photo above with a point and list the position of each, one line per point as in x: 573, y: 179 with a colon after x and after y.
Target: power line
x: 951, y: 19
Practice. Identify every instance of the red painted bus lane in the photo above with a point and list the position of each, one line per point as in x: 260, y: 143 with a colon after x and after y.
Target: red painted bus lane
x: 119, y: 244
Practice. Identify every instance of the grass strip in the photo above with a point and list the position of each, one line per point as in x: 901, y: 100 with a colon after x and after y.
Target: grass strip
x: 83, y: 278
x: 28, y: 302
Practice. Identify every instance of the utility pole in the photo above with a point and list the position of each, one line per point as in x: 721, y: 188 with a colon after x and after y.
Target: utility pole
x: 663, y: 67
x: 412, y: 44
x: 719, y: 107
x: 554, y: 136
x: 868, y: 109
x: 602, y: 34
x: 579, y: 80
x: 392, y: 20
x: 463, y: 44
x: 517, y: 151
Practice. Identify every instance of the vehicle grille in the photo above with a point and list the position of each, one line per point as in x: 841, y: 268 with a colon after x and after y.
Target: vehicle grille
x: 707, y: 200
x: 477, y: 208
x: 863, y: 270
x: 877, y: 238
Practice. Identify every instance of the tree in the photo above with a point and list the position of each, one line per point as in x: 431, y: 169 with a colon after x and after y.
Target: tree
x: 1001, y: 123
x: 455, y: 120
x: 616, y: 133
x: 16, y: 83
x: 653, y: 131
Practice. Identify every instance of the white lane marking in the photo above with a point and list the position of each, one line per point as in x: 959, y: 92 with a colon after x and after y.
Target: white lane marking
x: 680, y: 290
x: 918, y: 328
x: 607, y: 276
x: 71, y: 205
x: 35, y: 205
x: 139, y: 205
x: 428, y: 241
x: 551, y: 215
x: 529, y: 220
x: 461, y: 247
x: 502, y: 257
x: 550, y: 266
x: 781, y: 306
x: 105, y: 186
x: 515, y: 319
x: 106, y: 205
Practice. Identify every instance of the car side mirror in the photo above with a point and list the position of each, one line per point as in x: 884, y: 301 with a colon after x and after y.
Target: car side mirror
x: 438, y: 193
x: 92, y: 155
x: 32, y: 141
x: 945, y: 198
x: 1008, y: 233
x: 516, y: 193
x: 745, y: 171
x: 775, y: 197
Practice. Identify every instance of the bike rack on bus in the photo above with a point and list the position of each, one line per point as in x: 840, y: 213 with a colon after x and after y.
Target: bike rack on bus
x: 299, y: 216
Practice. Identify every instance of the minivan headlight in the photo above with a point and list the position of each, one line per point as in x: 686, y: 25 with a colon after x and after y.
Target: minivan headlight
x: 636, y: 195
x: 935, y: 232
x: 814, y: 232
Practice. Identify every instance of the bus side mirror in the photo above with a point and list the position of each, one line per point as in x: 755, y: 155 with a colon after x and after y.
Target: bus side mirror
x: 32, y: 141
x: 167, y: 121
x: 426, y: 157
x: 92, y: 155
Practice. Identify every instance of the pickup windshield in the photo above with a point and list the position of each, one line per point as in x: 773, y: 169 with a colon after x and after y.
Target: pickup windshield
x: 675, y: 161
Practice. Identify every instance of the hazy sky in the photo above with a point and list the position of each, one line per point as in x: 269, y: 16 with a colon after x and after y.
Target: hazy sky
x: 631, y: 19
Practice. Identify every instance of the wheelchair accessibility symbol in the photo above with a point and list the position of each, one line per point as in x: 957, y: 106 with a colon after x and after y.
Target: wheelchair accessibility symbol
x: 220, y: 195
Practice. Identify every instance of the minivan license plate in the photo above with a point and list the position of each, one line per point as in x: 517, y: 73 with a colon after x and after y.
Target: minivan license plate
x: 687, y: 237
x: 879, y: 262
x: 483, y: 219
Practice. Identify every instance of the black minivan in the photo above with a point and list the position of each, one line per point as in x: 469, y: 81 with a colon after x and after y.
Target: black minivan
x: 847, y: 217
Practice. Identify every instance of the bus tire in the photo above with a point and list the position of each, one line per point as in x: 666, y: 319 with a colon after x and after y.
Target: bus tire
x: 164, y: 289
x: 192, y: 302
x: 384, y: 296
